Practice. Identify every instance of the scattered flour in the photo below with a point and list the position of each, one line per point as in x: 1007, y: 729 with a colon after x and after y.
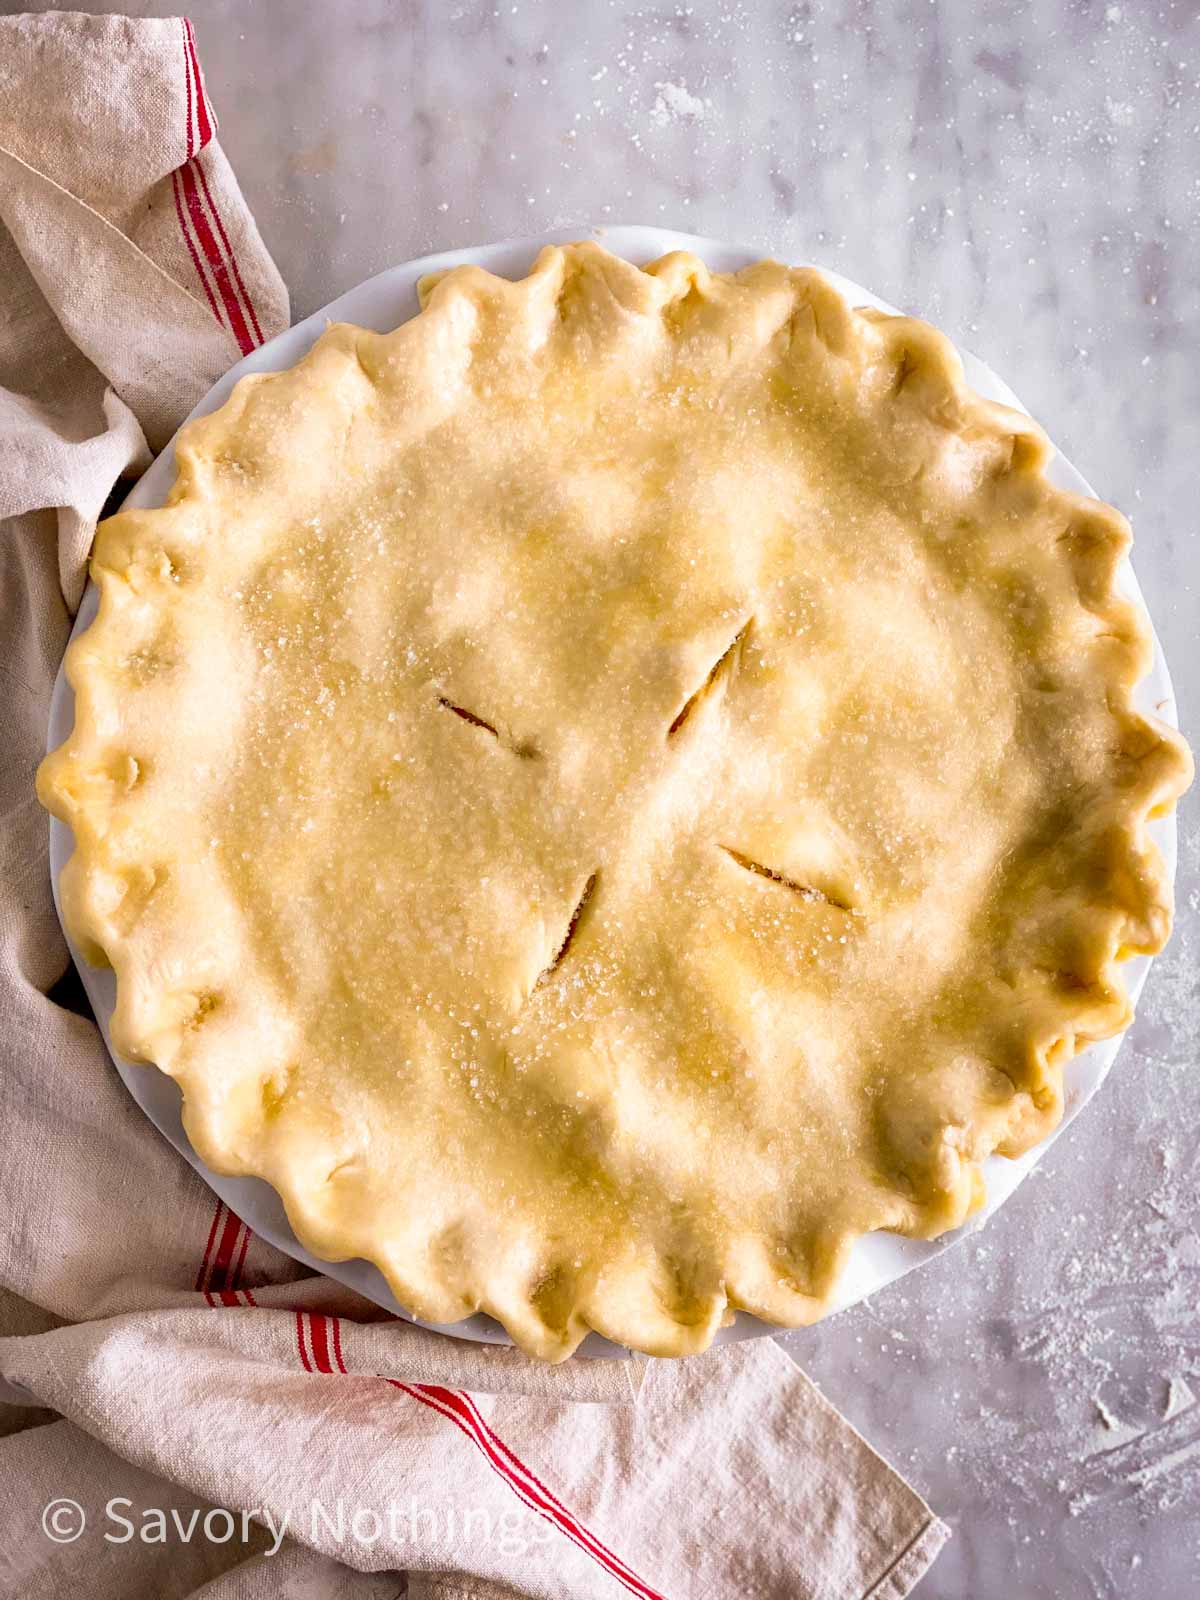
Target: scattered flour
x: 674, y: 103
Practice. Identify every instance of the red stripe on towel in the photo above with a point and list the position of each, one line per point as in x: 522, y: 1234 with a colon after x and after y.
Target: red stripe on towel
x: 546, y: 1505
x: 213, y: 258
x: 221, y: 1268
x: 229, y: 251
x: 459, y: 1409
x: 305, y: 1362
x: 318, y: 1334
x: 235, y: 1277
x: 206, y: 126
x: 205, y: 119
x: 187, y: 78
x: 218, y: 1277
x: 187, y: 239
x: 528, y: 1472
x: 202, y: 1275
x: 193, y: 222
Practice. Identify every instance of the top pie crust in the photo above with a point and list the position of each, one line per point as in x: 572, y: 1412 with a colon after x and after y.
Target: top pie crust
x: 613, y: 789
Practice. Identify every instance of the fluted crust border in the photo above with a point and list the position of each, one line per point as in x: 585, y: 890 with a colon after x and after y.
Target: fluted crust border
x: 886, y: 363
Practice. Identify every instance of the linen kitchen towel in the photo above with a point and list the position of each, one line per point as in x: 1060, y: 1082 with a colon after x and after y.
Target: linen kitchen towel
x: 188, y: 1411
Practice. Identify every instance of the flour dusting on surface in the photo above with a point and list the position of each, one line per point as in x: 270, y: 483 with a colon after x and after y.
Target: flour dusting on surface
x: 673, y: 103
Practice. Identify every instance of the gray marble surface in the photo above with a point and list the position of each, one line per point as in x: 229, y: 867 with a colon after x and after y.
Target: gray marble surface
x: 1027, y: 176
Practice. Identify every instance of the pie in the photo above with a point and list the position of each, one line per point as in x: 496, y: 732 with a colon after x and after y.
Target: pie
x: 614, y: 789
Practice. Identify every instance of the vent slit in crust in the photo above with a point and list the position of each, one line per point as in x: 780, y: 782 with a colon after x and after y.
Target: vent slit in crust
x: 525, y: 748
x: 722, y: 664
x: 806, y: 891
x: 468, y: 716
x: 585, y: 899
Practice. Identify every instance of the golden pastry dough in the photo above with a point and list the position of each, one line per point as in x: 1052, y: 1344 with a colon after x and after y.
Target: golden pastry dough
x: 612, y: 790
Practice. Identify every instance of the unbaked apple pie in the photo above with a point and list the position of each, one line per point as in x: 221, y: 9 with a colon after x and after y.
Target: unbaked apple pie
x: 612, y: 790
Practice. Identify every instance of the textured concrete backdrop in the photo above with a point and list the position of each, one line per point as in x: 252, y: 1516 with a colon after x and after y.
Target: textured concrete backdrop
x: 1027, y: 176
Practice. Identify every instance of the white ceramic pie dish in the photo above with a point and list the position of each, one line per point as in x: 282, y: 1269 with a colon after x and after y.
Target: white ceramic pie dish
x: 382, y: 303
